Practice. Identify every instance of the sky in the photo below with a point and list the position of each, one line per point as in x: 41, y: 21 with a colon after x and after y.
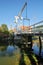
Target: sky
x: 11, y: 8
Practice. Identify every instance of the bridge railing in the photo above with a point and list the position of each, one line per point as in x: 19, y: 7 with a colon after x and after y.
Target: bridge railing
x: 37, y: 27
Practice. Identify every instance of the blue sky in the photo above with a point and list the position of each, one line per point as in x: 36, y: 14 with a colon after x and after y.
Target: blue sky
x: 11, y: 8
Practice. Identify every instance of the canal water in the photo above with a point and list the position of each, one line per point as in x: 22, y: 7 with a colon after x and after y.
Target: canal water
x: 36, y: 50
x: 11, y: 49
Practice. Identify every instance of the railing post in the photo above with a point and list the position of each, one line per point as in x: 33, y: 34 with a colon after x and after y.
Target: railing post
x: 40, y: 46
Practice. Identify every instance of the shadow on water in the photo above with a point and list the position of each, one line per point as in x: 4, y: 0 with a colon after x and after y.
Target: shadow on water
x: 22, y: 62
x: 29, y: 54
x: 22, y: 58
x: 36, y: 52
x: 40, y: 60
x: 32, y: 60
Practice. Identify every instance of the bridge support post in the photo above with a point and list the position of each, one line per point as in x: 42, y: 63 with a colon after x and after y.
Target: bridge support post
x: 30, y: 40
x: 40, y: 46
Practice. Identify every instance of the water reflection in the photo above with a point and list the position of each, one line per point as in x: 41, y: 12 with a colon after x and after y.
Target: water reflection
x: 36, y: 50
x: 11, y: 49
x: 8, y: 51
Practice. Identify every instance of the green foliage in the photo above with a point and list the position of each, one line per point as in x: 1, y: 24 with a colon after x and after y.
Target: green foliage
x: 4, y: 28
x: 0, y: 29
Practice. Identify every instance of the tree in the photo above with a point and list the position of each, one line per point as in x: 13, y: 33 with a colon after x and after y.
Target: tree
x: 0, y: 29
x: 4, y: 28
